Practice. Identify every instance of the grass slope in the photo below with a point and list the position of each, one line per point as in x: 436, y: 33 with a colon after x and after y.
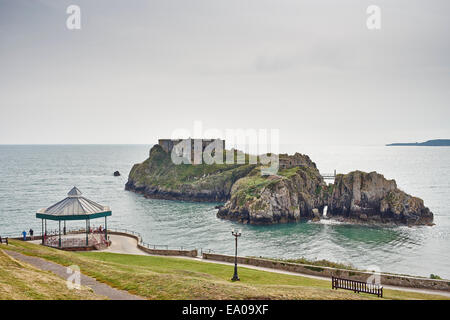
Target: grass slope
x: 177, y: 278
x: 21, y: 281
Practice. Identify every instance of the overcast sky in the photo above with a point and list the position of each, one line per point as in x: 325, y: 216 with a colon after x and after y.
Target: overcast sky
x: 138, y: 70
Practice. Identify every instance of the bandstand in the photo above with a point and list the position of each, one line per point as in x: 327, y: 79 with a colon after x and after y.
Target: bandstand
x: 74, y: 207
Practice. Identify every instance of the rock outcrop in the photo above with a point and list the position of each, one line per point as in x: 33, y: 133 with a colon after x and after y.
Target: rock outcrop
x: 356, y: 196
x: 370, y: 197
x: 291, y: 195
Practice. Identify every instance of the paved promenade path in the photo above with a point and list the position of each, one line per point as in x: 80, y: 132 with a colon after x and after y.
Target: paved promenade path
x: 128, y: 245
x: 61, y: 271
x: 123, y: 244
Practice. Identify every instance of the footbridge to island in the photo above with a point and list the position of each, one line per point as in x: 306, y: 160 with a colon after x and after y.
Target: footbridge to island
x: 329, y: 176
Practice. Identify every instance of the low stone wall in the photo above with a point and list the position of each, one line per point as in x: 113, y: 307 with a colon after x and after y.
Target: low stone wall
x: 386, y: 279
x: 161, y: 252
x: 90, y: 248
x: 185, y: 253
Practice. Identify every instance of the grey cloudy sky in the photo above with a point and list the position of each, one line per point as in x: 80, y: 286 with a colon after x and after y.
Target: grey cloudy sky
x: 137, y: 70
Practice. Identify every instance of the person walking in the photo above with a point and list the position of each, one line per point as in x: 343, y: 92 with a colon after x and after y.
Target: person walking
x: 24, y: 233
x: 31, y: 232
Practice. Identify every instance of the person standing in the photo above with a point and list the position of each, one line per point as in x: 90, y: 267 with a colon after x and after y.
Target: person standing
x: 24, y: 233
x: 31, y: 232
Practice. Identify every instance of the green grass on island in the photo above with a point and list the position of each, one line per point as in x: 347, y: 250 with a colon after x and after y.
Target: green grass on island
x: 159, y: 170
x: 250, y: 186
x: 156, y: 277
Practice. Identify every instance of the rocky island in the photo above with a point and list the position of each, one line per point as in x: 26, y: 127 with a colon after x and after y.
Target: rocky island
x: 297, y: 192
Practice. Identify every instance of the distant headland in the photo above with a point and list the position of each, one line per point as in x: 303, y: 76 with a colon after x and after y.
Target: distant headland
x: 429, y: 143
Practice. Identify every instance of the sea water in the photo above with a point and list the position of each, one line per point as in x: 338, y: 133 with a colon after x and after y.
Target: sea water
x: 33, y: 177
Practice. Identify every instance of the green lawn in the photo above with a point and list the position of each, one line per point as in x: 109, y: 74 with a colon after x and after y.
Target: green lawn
x: 177, y: 278
x: 21, y: 281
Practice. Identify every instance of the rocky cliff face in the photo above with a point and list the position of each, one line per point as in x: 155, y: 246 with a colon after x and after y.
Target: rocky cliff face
x: 289, y: 196
x: 356, y: 197
x: 370, y: 197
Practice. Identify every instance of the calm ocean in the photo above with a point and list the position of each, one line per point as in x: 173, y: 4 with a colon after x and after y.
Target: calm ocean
x: 32, y: 177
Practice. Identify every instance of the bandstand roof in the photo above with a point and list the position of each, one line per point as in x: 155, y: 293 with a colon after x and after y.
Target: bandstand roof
x: 74, y: 207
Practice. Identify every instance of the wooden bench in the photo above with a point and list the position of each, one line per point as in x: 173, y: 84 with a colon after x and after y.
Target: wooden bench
x: 356, y: 286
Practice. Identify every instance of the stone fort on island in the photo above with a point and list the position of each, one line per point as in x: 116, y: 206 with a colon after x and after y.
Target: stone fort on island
x: 197, y: 146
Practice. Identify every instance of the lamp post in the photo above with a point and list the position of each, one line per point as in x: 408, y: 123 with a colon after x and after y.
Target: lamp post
x: 236, y: 234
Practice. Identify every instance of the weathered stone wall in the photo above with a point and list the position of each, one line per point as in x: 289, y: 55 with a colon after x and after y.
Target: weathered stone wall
x: 90, y: 248
x: 386, y: 279
x: 197, y: 147
x: 185, y: 253
x: 168, y: 144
